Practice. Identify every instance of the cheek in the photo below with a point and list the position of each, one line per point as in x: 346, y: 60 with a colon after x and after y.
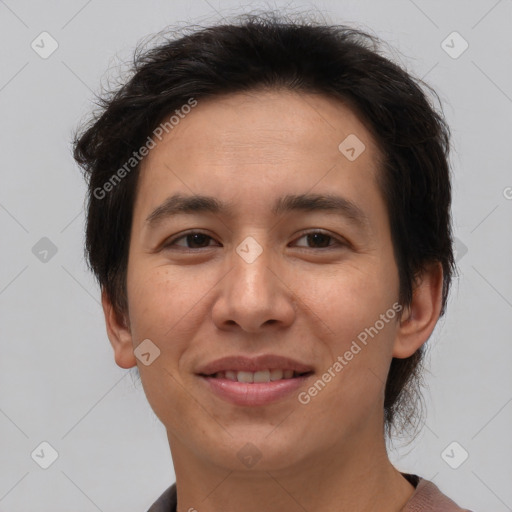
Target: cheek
x: 348, y: 299
x: 355, y: 372
x: 162, y: 302
x: 356, y: 306
x: 165, y: 308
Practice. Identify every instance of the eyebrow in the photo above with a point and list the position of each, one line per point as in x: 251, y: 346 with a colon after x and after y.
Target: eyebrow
x: 190, y: 204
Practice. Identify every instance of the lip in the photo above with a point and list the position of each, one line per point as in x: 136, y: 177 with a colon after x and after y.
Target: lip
x: 253, y: 394
x: 253, y: 364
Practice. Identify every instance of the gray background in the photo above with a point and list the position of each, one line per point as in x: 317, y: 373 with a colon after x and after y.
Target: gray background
x: 58, y: 379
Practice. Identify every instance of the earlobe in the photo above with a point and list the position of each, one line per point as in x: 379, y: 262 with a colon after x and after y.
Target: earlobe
x: 420, y: 318
x: 119, y: 334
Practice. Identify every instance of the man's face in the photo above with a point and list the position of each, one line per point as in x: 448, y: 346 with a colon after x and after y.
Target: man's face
x: 300, y: 283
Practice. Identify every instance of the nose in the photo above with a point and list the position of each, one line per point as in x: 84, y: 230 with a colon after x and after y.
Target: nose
x: 254, y: 296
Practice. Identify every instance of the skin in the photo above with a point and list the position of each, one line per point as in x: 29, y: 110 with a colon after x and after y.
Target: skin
x: 296, y: 299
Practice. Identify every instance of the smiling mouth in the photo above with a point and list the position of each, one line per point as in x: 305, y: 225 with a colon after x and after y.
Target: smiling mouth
x: 270, y: 375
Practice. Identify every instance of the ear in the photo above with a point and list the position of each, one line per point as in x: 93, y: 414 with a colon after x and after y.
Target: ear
x: 419, y: 319
x: 119, y: 334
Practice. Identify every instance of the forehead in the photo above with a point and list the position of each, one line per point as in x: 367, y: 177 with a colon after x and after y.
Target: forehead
x: 259, y: 124
x: 250, y: 145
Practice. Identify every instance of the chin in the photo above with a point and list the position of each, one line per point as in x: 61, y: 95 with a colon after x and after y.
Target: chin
x: 255, y: 450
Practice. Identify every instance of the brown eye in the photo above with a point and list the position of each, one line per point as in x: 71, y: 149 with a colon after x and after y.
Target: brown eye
x: 319, y: 240
x: 193, y: 240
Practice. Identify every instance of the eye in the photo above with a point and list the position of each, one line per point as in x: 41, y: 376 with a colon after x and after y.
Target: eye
x: 196, y: 239
x: 320, y: 240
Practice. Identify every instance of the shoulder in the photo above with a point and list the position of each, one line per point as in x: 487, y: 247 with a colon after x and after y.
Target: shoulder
x: 428, y: 498
x: 166, y: 502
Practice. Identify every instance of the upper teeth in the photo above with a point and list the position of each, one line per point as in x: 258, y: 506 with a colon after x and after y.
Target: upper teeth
x: 261, y: 376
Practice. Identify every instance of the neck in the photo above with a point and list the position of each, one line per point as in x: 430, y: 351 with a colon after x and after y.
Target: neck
x: 360, y: 477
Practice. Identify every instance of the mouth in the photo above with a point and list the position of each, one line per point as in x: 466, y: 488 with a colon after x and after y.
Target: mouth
x: 254, y: 381
x: 265, y: 366
x: 261, y: 376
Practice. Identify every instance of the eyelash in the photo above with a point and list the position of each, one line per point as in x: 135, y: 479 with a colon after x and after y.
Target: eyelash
x: 338, y: 242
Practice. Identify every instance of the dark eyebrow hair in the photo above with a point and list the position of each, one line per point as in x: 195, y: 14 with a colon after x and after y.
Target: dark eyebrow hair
x: 182, y: 204
x: 179, y: 203
x: 322, y: 202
